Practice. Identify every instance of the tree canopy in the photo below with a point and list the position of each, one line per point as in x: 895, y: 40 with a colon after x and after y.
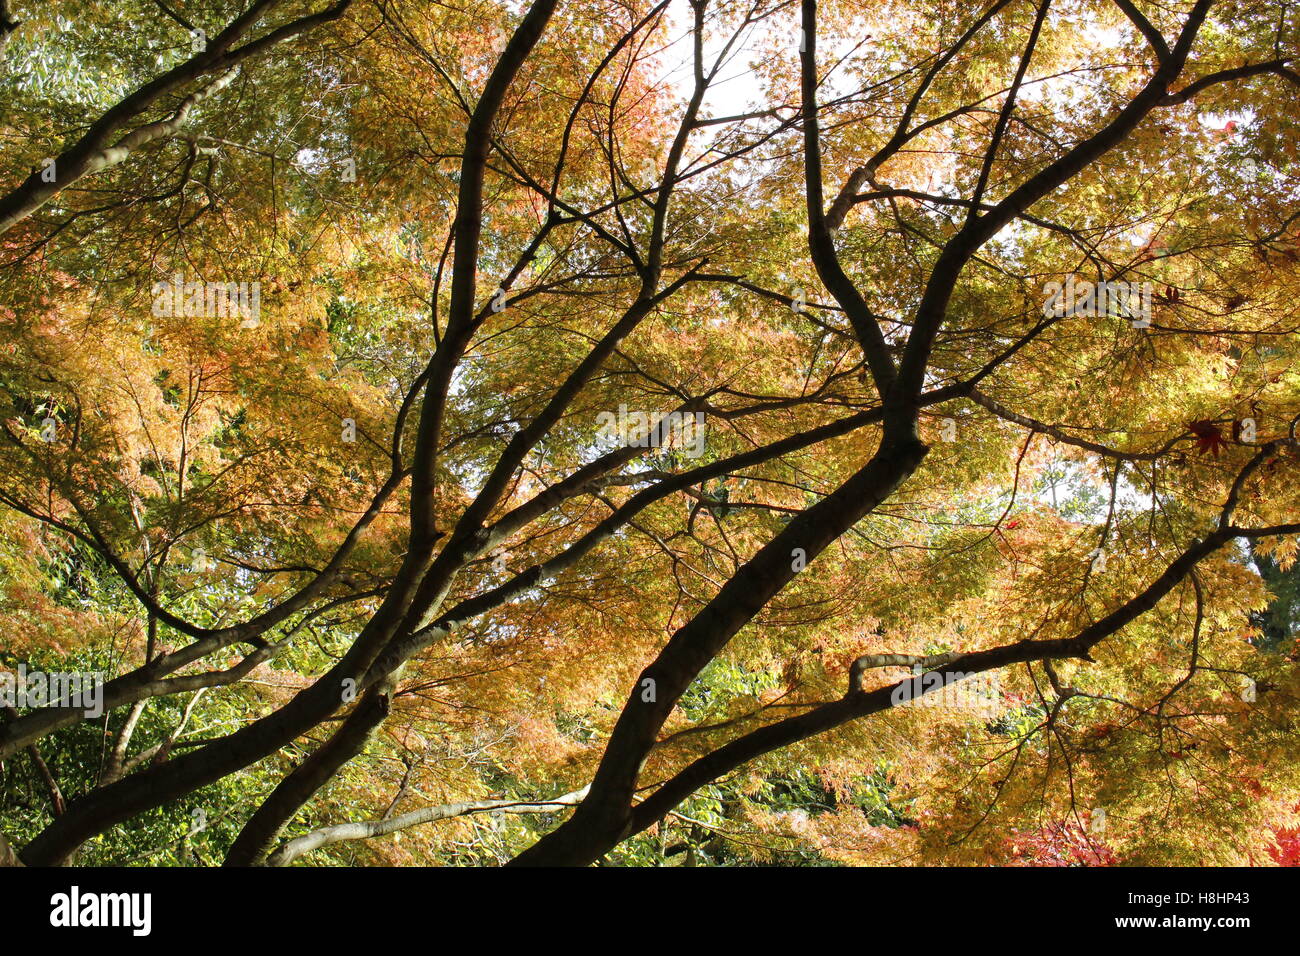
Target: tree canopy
x: 689, y: 432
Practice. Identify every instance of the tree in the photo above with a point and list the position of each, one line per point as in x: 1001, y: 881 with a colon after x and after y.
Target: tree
x: 491, y: 383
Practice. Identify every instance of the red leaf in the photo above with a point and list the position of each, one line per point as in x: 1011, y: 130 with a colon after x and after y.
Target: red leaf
x: 1209, y: 437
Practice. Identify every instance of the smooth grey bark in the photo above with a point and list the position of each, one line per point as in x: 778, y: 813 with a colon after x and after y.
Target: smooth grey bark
x: 374, y: 828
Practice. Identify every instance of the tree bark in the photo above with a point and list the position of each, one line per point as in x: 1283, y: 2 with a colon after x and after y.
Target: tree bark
x: 260, y: 832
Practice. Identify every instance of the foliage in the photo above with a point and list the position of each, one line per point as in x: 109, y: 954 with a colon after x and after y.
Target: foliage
x: 369, y: 521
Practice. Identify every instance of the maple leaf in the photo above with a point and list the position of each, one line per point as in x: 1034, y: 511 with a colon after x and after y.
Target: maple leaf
x: 1209, y: 437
